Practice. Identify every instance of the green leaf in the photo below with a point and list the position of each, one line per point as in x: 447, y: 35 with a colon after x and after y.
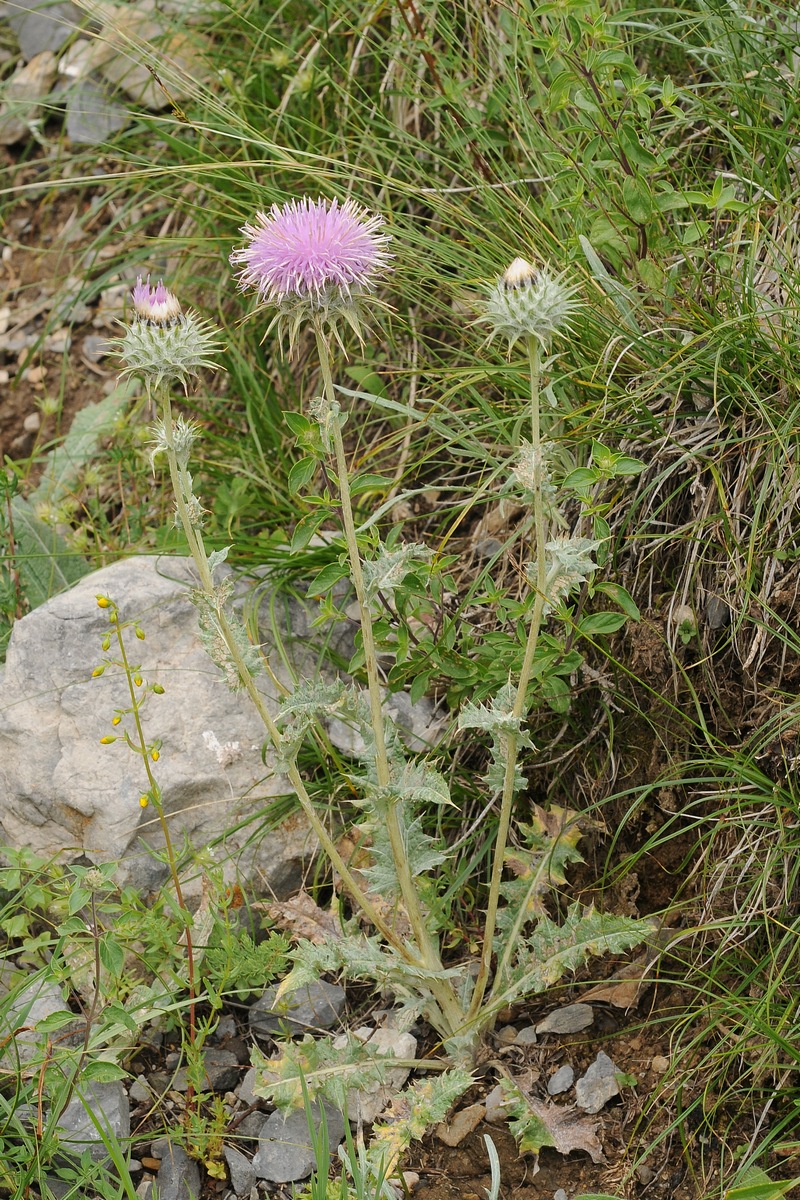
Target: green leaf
x: 621, y: 296
x: 297, y: 423
x: 581, y: 477
x: 112, y: 956
x: 369, y: 483
x: 305, y: 529
x: 301, y: 473
x: 419, y: 687
x: 628, y: 466
x: 101, y: 1070
x: 57, y: 1020
x: 325, y: 579
x: 755, y: 1184
x: 46, y: 564
x: 638, y: 199
x: 602, y: 622
x: 620, y: 596
x: 117, y: 1014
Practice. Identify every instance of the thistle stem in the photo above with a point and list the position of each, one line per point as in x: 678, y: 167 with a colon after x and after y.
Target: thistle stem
x: 198, y: 552
x: 520, y: 703
x: 429, y: 951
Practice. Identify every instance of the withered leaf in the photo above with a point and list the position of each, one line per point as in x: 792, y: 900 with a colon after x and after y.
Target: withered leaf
x: 623, y: 989
x: 563, y: 1127
x: 303, y: 918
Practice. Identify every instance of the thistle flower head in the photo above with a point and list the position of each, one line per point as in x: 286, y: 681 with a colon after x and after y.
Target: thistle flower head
x: 155, y: 304
x: 162, y: 343
x: 312, y: 260
x: 524, y: 302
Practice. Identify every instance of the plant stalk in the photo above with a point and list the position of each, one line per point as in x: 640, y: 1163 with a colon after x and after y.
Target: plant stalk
x: 520, y: 703
x: 429, y: 952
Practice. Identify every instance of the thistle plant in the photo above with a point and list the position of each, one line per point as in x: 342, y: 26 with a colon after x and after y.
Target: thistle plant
x: 317, y: 265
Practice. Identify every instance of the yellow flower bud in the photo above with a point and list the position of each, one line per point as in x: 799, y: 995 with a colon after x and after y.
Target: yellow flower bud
x: 140, y: 633
x: 103, y: 602
x: 116, y: 720
x: 106, y: 642
x: 144, y: 801
x: 107, y: 740
x: 137, y: 679
x: 97, y: 671
x: 155, y: 756
x: 158, y: 689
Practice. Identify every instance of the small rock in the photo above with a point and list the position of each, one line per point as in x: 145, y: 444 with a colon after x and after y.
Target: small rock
x: 178, y: 1175
x: 249, y: 1130
x: 488, y: 547
x: 42, y: 25
x: 644, y: 1174
x: 659, y: 1064
x: 319, y: 1005
x: 226, y: 1026
x: 145, y: 1190
x: 108, y: 1105
x: 57, y: 342
x: 526, y: 1036
x: 92, y: 116
x: 285, y: 1153
x: 32, y: 423
x: 570, y: 1019
x: 560, y: 1194
x: 240, y: 1169
x: 151, y: 1164
x: 465, y: 1121
x: 222, y: 1069
x: 495, y: 1104
x: 598, y: 1085
x: 245, y: 1089
x: 717, y: 613
x: 507, y: 1035
x: 23, y: 94
x: 139, y: 1092
x: 35, y: 375
x: 561, y: 1080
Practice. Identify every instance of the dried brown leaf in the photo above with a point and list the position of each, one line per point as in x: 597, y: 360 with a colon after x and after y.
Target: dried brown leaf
x: 623, y: 989
x: 563, y: 1127
x: 303, y: 918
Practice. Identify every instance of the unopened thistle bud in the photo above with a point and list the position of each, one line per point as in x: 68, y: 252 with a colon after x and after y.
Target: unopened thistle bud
x: 162, y: 343
x: 524, y: 302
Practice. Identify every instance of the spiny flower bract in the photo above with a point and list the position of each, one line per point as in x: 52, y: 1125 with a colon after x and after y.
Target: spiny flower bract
x: 313, y: 260
x: 162, y: 343
x: 526, y: 302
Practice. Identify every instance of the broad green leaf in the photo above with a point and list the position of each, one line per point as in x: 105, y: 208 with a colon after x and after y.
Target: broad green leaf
x: 325, y: 579
x: 301, y: 473
x: 620, y: 596
x: 602, y: 622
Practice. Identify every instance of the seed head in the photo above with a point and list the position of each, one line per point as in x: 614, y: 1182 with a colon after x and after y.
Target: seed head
x: 313, y: 260
x: 524, y: 302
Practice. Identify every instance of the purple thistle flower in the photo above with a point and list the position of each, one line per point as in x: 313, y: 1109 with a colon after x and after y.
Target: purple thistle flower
x: 155, y: 304
x: 315, y: 251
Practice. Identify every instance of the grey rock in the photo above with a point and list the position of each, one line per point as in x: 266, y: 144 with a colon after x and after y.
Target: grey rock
x: 23, y: 94
x: 108, y: 1104
x: 570, y: 1019
x: 365, y: 1104
x: 222, y: 1069
x: 179, y: 1175
x: 284, y: 1147
x: 23, y: 1011
x: 43, y: 25
x: 598, y: 1085
x: 495, y: 1102
x: 226, y: 1027
x: 139, y: 1092
x: 241, y: 1170
x: 245, y: 1089
x: 526, y: 1036
x: 561, y: 1080
x: 717, y: 613
x: 318, y: 1005
x: 61, y: 788
x: 249, y: 1130
x: 560, y: 1194
x: 645, y: 1174
x: 92, y: 115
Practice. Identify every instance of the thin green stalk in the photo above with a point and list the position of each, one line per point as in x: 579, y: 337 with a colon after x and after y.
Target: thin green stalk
x: 200, y: 558
x: 428, y: 949
x: 520, y: 702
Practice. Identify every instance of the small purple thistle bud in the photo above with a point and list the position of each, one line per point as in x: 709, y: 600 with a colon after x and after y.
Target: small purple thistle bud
x: 155, y: 304
x: 526, y: 302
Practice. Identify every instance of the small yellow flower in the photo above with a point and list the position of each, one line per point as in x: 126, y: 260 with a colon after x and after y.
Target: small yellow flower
x: 144, y: 801
x: 137, y: 679
x: 107, y: 740
x: 155, y: 756
x: 116, y: 720
x: 103, y: 602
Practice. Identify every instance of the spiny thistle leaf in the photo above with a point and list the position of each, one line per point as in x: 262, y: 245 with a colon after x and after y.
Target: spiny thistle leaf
x: 552, y: 950
x: 425, y: 1103
x: 329, y: 1069
x: 498, y: 719
x: 384, y: 573
x: 535, y: 1124
x: 552, y: 839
